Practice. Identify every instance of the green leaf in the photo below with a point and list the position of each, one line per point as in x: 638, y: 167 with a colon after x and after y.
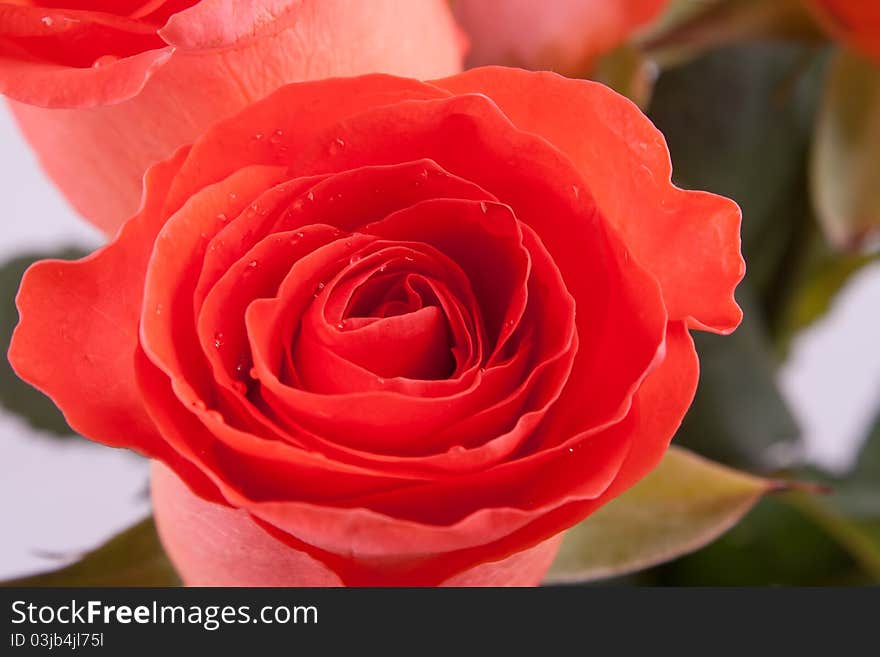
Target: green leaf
x: 133, y: 558
x: 17, y: 396
x: 845, y: 164
x: 685, y: 503
x: 775, y: 545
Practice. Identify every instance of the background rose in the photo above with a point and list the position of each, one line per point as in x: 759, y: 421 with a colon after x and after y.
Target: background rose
x: 560, y: 35
x: 351, y: 314
x: 855, y: 22
x: 127, y: 82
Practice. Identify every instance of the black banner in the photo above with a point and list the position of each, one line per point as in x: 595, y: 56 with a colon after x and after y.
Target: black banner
x: 416, y: 621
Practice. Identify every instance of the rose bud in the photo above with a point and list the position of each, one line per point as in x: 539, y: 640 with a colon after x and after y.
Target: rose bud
x: 560, y: 35
x: 104, y: 89
x: 380, y: 331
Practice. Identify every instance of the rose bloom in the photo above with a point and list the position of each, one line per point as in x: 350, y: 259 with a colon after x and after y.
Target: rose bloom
x: 102, y: 89
x: 379, y: 331
x: 854, y: 22
x: 561, y: 35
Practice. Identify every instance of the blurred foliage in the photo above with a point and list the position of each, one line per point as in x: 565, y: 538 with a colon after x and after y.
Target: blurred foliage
x: 689, y: 28
x: 17, y: 396
x: 132, y: 558
x: 629, y: 72
x: 738, y: 123
x: 739, y: 416
x: 683, y: 504
x: 845, y: 163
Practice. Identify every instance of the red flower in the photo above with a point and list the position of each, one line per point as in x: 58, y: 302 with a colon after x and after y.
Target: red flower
x: 561, y: 35
x: 854, y: 22
x: 392, y: 331
x: 126, y: 82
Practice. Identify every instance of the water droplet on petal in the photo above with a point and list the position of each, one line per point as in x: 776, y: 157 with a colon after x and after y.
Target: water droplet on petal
x: 341, y: 324
x: 576, y: 190
x: 48, y: 21
x: 310, y: 196
x: 318, y: 288
x: 158, y: 308
x: 218, y: 340
x: 336, y: 145
x: 484, y: 207
x: 104, y: 60
x: 252, y: 265
x: 222, y: 218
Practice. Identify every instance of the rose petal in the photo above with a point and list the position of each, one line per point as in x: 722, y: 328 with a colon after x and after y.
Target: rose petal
x: 689, y: 240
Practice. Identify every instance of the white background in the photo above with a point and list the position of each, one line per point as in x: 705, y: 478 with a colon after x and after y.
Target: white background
x: 60, y: 498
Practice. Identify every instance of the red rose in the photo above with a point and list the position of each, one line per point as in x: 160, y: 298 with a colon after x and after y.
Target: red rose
x: 392, y: 332
x: 102, y: 92
x: 562, y: 35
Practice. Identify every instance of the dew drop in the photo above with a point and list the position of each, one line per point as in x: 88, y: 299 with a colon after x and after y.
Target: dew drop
x: 355, y: 258
x: 576, y: 190
x: 222, y: 218
x: 259, y: 136
x: 240, y: 387
x: 336, y: 145
x: 299, y: 235
x: 48, y: 21
x: 276, y: 137
x: 341, y: 324
x: 233, y: 196
x: 409, y: 259
x: 104, y: 60
x: 218, y: 340
x: 319, y: 288
x: 252, y: 265
x: 158, y: 308
x: 484, y: 207
x: 570, y: 450
x: 310, y: 196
